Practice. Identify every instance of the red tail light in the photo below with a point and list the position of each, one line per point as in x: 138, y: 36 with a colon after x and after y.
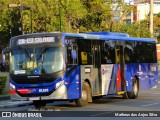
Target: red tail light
x: 12, y: 91
x: 23, y: 91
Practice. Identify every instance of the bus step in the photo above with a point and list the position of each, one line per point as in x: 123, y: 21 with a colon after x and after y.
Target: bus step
x: 121, y: 92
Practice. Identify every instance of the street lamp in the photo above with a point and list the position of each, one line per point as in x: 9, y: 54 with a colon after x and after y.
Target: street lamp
x: 21, y: 8
x: 17, y: 6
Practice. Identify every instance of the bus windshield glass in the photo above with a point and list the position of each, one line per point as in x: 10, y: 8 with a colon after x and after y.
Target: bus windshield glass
x: 36, y: 61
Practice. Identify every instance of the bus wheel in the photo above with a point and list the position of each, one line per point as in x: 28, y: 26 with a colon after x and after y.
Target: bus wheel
x: 125, y: 95
x: 83, y: 101
x: 39, y: 103
x: 135, y: 90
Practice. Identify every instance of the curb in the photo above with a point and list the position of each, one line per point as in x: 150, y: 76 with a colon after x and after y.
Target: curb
x: 4, y: 97
x: 10, y: 104
x: 16, y: 104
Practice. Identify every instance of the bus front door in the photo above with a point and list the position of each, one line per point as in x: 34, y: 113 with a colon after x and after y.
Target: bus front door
x: 121, y: 68
x: 96, y: 68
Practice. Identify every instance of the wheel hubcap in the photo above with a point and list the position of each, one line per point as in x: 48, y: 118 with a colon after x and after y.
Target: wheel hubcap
x: 135, y: 89
x: 84, y: 95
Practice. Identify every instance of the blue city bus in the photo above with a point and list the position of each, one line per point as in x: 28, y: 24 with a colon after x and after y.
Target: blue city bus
x: 81, y: 67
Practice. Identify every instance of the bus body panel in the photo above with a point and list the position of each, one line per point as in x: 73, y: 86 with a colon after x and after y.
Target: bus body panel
x: 115, y: 84
x: 153, y: 74
x: 149, y: 74
x: 73, y: 83
x: 87, y: 74
x: 54, y: 90
x: 70, y: 90
x: 143, y: 76
x: 106, y: 71
x: 59, y: 94
x: 130, y: 72
x: 146, y: 73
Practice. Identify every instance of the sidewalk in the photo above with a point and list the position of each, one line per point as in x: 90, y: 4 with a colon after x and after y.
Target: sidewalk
x: 4, y: 97
x: 6, y: 102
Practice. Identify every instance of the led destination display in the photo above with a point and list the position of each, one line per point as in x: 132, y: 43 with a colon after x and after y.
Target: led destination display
x: 28, y: 41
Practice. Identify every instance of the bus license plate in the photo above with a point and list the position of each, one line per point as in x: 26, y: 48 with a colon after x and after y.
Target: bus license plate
x: 34, y: 98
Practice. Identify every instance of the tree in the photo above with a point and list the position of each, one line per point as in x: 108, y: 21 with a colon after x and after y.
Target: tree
x: 70, y: 18
x: 97, y: 12
x: 65, y: 16
x: 119, y: 9
x: 134, y: 30
x: 156, y: 27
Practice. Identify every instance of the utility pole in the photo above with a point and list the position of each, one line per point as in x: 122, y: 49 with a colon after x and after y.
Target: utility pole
x: 59, y: 9
x: 21, y: 12
x: 151, y: 18
x: 31, y: 18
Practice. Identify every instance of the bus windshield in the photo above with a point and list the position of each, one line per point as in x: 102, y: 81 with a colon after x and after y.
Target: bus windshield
x: 36, y: 61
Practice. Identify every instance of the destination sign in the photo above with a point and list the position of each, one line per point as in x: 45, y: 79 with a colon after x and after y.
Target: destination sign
x: 38, y: 40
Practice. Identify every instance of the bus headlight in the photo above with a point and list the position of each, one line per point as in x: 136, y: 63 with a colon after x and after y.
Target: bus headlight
x: 12, y: 86
x: 59, y: 84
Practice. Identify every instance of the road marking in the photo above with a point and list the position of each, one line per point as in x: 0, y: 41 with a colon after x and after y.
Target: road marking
x: 150, y: 104
x: 101, y: 114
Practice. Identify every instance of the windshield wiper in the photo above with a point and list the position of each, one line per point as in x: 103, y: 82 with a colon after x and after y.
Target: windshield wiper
x: 43, y: 50
x: 21, y: 47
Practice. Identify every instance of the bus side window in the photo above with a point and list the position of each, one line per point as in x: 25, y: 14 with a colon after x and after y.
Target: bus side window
x: 84, y: 52
x: 71, y: 54
x: 151, y: 56
x: 117, y: 56
x: 108, y: 52
x: 129, y: 52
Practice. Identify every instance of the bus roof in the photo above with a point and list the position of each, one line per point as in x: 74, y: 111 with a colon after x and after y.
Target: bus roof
x: 95, y: 35
x: 109, y: 36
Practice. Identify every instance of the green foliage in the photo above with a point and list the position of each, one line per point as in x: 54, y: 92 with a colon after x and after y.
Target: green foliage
x: 65, y: 16
x: 134, y: 30
x: 157, y: 27
x: 3, y: 80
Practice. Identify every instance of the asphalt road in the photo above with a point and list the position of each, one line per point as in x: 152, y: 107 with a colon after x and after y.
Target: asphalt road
x: 148, y: 100
x: 114, y: 107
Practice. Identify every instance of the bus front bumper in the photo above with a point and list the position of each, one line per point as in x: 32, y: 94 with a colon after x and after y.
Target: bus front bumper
x: 59, y: 94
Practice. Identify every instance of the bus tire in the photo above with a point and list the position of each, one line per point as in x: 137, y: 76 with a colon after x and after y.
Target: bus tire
x: 125, y: 95
x: 97, y: 98
x: 86, y: 91
x: 135, y: 90
x: 39, y: 103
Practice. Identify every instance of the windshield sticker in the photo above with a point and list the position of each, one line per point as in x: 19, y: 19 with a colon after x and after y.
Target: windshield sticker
x: 36, y: 71
x: 31, y: 64
x: 19, y: 72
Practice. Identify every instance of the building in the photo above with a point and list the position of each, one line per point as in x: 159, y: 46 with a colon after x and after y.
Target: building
x: 143, y: 8
x: 158, y: 51
x: 129, y: 17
